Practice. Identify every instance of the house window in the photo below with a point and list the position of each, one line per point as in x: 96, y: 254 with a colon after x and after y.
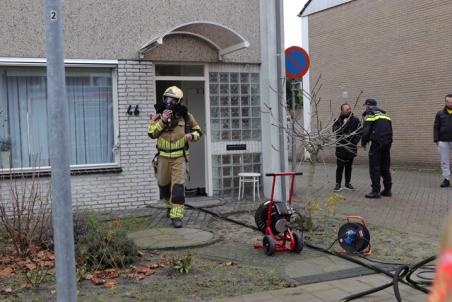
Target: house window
x: 235, y: 106
x: 24, y: 123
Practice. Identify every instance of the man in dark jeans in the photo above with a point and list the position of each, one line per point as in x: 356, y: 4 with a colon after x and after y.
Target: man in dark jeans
x: 346, y: 128
x: 378, y: 129
x: 442, y: 136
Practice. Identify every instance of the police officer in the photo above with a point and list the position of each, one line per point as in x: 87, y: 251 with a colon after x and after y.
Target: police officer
x: 377, y: 128
x: 173, y: 127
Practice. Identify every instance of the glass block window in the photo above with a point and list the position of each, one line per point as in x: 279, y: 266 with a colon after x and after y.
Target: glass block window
x: 235, y: 106
x: 225, y: 172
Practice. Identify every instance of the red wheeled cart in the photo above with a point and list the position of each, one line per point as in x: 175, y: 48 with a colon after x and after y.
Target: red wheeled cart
x: 273, y: 219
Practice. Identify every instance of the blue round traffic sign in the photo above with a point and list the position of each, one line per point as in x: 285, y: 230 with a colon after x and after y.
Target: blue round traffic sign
x: 297, y: 62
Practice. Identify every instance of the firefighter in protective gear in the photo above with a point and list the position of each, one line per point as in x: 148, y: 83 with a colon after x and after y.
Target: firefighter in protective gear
x: 173, y: 127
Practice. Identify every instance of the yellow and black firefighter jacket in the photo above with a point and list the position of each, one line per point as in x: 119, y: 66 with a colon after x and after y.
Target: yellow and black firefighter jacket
x: 171, y: 142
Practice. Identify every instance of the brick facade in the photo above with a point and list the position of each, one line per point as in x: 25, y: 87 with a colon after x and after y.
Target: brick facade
x: 398, y: 52
x: 135, y: 186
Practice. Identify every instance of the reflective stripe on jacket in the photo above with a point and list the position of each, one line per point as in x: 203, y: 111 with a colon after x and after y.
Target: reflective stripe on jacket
x: 171, y: 141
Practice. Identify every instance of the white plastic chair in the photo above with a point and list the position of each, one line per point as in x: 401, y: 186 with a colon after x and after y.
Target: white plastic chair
x: 249, y: 177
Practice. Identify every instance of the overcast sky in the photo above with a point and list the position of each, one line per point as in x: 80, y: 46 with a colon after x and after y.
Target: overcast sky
x: 292, y: 23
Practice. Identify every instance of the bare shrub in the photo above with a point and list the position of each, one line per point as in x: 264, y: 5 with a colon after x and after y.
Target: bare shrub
x: 26, y: 215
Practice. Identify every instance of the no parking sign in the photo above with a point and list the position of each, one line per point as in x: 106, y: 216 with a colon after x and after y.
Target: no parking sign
x: 297, y: 62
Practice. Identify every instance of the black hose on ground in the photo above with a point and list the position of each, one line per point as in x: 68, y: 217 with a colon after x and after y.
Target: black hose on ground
x: 401, y: 273
x: 222, y: 217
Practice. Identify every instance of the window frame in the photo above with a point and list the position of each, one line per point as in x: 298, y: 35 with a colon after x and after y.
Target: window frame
x: 75, y: 63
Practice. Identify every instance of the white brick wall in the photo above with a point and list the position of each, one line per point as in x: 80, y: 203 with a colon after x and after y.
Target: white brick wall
x: 135, y: 186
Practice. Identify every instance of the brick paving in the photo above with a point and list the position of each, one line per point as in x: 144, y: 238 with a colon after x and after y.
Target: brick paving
x: 418, y: 205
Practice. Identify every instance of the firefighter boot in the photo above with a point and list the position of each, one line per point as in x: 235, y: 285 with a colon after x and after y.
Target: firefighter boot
x: 176, y: 215
x: 168, y: 205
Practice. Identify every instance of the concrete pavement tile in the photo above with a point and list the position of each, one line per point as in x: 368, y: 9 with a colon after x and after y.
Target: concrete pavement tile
x: 301, y: 268
x: 380, y: 296
x: 293, y: 295
x: 317, y: 287
x: 331, y: 294
x: 296, y: 297
x: 404, y: 290
x: 289, y: 291
x: 375, y: 280
x: 302, y: 298
x: 231, y: 299
x: 323, y: 261
x: 158, y: 238
x: 351, y: 286
x: 416, y: 298
x: 263, y: 296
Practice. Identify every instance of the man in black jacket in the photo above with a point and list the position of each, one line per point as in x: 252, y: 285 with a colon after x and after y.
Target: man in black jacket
x: 346, y: 128
x: 442, y: 136
x: 378, y: 129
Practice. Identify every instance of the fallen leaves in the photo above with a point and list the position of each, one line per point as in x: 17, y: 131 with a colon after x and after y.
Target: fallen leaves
x: 142, y: 269
x: 6, y: 272
x: 111, y: 283
x: 135, y: 276
x: 43, y: 260
x: 110, y: 273
x: 109, y: 278
x: 97, y: 281
x: 30, y: 266
x: 35, y: 267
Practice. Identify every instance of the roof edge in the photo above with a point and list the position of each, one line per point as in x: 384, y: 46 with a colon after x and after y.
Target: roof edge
x: 304, y: 8
x: 320, y: 5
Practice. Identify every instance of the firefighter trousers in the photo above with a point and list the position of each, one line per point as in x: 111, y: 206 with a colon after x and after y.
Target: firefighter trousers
x: 171, y: 176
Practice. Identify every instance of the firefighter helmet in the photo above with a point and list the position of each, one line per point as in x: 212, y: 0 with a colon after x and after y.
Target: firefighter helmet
x: 174, y: 92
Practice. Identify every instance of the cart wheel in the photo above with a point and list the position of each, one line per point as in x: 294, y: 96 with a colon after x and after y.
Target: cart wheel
x: 269, y: 246
x: 299, y: 243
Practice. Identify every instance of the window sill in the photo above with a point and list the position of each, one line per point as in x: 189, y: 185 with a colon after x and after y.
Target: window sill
x: 15, y: 174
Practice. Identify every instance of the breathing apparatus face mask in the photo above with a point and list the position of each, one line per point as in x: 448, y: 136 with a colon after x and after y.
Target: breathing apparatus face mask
x: 170, y: 103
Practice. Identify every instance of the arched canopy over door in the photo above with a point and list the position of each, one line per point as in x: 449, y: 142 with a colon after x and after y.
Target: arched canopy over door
x: 218, y: 37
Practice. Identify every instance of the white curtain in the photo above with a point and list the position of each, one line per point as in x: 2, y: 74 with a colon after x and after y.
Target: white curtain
x: 23, y: 106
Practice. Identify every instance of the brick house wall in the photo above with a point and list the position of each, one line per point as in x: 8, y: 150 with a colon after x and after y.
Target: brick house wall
x: 399, y: 52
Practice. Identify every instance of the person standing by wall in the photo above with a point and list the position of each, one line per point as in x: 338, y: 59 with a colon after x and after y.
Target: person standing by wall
x: 377, y: 128
x: 346, y: 129
x: 442, y: 136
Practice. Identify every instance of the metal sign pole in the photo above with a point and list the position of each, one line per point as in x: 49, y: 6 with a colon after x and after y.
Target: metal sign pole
x: 59, y: 155
x: 294, y: 146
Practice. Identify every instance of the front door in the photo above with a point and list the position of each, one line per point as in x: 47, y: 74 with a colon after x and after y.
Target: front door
x: 194, y: 100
